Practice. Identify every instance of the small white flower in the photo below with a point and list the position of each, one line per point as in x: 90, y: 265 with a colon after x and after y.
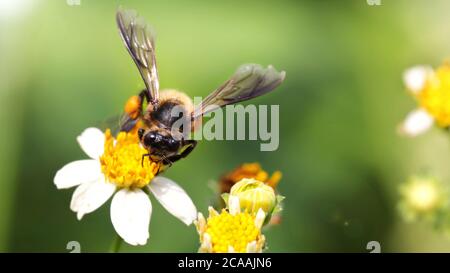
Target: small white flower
x: 114, y: 170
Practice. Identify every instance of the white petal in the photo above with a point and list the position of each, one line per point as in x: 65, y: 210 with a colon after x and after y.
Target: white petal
x: 259, y: 219
x: 92, y: 141
x: 200, y: 223
x: 260, y: 243
x: 212, y: 212
x: 231, y: 249
x: 130, y: 215
x: 251, y: 247
x: 76, y: 173
x: 415, y: 78
x: 90, y: 196
x: 174, y: 199
x: 417, y: 122
x: 234, y: 206
x: 206, y: 246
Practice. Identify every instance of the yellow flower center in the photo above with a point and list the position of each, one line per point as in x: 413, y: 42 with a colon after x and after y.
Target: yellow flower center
x: 232, y: 230
x: 122, y: 162
x: 435, y: 96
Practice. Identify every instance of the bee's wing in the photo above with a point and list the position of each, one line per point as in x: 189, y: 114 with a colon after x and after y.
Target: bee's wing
x: 112, y: 123
x: 249, y: 81
x: 126, y: 123
x: 117, y: 123
x: 138, y: 37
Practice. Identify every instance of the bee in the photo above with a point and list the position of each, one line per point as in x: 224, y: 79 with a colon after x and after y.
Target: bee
x: 155, y: 120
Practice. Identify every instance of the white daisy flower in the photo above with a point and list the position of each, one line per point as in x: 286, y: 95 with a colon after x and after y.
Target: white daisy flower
x: 116, y: 168
x: 431, y: 88
x: 231, y: 231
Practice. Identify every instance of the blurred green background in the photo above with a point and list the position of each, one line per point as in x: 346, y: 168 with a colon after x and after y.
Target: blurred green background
x: 64, y: 68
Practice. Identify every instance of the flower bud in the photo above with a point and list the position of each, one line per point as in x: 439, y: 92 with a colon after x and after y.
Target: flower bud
x: 253, y: 195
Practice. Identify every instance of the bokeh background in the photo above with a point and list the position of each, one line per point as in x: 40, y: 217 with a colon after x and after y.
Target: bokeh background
x: 64, y: 68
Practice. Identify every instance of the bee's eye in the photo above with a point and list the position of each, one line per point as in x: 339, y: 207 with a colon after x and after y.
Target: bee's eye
x: 150, y: 138
x: 141, y: 132
x: 172, y: 143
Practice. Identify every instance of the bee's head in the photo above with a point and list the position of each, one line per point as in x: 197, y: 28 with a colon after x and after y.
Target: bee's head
x: 158, y: 142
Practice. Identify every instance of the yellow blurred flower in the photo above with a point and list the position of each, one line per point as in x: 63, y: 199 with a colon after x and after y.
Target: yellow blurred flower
x: 422, y: 196
x: 431, y: 88
x: 248, y: 170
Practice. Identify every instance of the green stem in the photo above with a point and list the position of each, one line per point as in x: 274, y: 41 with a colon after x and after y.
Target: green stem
x: 116, y: 244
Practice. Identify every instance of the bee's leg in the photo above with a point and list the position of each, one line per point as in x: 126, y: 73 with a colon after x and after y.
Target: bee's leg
x: 159, y: 168
x: 143, y: 157
x: 164, y: 160
x: 133, y: 111
x: 167, y: 161
x: 191, y: 145
x: 144, y: 94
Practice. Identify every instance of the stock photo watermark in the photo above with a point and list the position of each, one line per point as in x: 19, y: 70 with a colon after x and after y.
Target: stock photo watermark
x: 73, y: 2
x: 374, y: 247
x: 373, y: 2
x: 233, y: 122
x: 74, y: 247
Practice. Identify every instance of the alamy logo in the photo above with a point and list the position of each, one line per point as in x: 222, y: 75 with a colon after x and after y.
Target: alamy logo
x: 373, y: 2
x: 73, y: 2
x: 232, y: 122
x: 374, y: 246
x: 74, y: 247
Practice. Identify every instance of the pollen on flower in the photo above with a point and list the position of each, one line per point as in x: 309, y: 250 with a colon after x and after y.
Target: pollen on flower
x: 435, y: 96
x: 232, y: 230
x: 122, y: 164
